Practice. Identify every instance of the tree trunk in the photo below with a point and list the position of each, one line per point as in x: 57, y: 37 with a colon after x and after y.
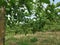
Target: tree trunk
x: 2, y: 25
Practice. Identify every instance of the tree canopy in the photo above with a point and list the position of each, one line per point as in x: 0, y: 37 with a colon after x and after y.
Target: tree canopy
x: 30, y: 15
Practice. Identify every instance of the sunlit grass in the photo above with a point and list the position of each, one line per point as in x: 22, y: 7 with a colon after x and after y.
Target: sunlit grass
x: 39, y: 38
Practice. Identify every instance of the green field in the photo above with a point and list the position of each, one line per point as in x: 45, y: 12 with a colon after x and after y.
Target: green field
x: 39, y: 38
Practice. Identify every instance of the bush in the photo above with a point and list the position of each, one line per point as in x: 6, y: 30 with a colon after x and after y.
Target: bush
x: 34, y: 39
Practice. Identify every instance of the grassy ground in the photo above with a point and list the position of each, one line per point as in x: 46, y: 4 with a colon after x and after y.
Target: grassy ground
x: 39, y: 38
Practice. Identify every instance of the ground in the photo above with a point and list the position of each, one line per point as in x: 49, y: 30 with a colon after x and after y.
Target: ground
x: 39, y: 38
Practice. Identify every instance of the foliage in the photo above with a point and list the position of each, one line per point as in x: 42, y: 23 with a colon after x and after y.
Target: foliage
x: 33, y: 39
x: 26, y: 16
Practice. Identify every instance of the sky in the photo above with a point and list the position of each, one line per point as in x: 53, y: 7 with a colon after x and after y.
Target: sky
x: 55, y: 1
x: 51, y: 1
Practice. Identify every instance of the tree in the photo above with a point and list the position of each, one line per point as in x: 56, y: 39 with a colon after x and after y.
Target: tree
x: 20, y: 10
x: 29, y: 14
x: 2, y: 25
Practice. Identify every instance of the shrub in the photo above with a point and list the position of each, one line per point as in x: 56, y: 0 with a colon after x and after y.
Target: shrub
x: 34, y: 39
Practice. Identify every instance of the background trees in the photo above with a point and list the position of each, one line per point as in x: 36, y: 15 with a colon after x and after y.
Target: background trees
x: 27, y: 16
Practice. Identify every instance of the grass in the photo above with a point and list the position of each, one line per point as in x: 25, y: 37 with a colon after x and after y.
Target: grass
x: 39, y: 38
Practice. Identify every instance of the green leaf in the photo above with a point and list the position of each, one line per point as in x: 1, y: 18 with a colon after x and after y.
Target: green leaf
x: 58, y: 4
x: 45, y: 1
x: 2, y: 2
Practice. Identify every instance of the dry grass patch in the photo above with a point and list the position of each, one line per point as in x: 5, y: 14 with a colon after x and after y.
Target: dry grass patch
x: 39, y: 38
